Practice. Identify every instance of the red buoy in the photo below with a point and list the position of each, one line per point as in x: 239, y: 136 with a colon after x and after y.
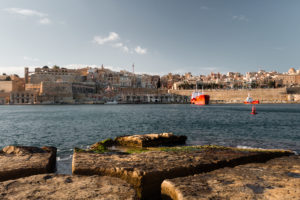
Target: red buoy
x: 253, y: 110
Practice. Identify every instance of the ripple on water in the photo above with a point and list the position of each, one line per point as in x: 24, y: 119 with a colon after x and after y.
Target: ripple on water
x: 69, y: 126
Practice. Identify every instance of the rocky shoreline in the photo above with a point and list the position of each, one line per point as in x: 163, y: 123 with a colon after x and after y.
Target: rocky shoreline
x: 151, y: 166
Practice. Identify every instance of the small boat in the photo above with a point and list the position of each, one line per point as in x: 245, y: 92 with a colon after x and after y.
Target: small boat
x: 111, y: 102
x: 199, y: 98
x: 249, y: 100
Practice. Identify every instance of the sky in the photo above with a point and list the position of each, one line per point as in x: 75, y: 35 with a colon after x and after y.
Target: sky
x: 157, y: 36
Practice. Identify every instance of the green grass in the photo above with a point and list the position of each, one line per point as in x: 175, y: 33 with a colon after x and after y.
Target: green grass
x: 100, y: 149
x: 107, y: 142
x: 131, y: 151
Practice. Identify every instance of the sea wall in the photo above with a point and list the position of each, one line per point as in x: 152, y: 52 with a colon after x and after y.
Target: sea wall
x: 274, y: 95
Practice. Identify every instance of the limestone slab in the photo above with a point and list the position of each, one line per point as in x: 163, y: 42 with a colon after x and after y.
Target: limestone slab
x: 151, y: 140
x: 276, y: 179
x: 21, y: 161
x: 146, y: 171
x: 63, y: 187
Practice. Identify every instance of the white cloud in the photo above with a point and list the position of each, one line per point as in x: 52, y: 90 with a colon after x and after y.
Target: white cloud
x: 240, y: 18
x: 121, y: 46
x: 79, y: 66
x: 30, y: 59
x: 45, y: 21
x: 42, y: 17
x: 113, y: 40
x: 102, y: 40
x: 140, y: 50
x: 25, y: 12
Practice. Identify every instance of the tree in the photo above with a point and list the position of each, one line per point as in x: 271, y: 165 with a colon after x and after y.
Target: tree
x: 55, y: 67
x: 271, y: 84
x: 253, y: 85
x: 158, y: 84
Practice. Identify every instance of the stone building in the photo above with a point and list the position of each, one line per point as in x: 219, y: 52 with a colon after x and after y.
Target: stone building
x: 4, y: 98
x: 23, y: 97
x: 125, y: 79
x: 47, y: 74
x: 12, y: 85
x: 289, y: 80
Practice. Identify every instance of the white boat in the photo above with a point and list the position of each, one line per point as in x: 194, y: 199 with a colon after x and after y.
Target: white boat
x: 111, y: 102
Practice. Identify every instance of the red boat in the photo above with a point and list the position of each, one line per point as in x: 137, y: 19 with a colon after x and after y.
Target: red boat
x: 198, y: 98
x: 249, y: 100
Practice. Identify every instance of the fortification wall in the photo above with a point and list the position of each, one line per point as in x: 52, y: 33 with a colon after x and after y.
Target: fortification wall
x: 6, y: 86
x: 278, y: 95
x: 48, y: 77
x: 62, y: 89
x: 141, y: 91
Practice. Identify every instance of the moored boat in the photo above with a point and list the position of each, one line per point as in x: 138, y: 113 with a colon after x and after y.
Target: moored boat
x: 249, y: 100
x: 199, y: 98
x: 111, y: 102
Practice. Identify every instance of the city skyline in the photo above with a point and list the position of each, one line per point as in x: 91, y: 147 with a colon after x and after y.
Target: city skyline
x: 158, y: 37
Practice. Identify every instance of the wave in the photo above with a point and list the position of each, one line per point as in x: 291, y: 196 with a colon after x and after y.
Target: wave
x: 64, y: 159
x: 247, y: 147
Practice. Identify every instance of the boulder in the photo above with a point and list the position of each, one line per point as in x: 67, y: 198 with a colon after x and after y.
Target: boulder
x: 102, y: 145
x: 22, y: 150
x: 21, y: 161
x: 276, y: 179
x: 146, y: 171
x: 51, y: 186
x: 151, y: 140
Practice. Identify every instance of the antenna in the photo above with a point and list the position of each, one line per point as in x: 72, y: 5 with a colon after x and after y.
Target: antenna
x: 133, y: 68
x: 133, y: 76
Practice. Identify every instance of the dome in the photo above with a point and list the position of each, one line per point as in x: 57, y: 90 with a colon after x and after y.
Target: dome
x: 292, y: 71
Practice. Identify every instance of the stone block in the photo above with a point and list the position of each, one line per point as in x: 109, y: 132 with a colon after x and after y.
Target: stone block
x: 21, y: 161
x: 276, y: 179
x: 51, y: 186
x: 151, y: 140
x: 146, y: 171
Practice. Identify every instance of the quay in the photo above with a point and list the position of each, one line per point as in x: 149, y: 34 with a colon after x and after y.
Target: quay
x: 88, y: 85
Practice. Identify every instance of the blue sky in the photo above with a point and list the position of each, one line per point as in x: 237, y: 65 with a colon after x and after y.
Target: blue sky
x: 158, y: 36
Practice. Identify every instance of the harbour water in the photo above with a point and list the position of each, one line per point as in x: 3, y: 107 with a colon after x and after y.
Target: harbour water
x: 69, y: 126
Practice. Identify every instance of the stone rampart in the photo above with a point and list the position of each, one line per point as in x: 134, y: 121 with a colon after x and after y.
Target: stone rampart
x: 6, y: 86
x: 277, y: 95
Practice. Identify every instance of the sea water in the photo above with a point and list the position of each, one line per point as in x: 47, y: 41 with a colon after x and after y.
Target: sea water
x: 69, y: 126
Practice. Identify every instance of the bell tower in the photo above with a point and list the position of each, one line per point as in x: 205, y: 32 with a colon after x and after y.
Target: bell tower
x: 26, y: 72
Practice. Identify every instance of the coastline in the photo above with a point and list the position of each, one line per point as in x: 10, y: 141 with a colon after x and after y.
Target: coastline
x: 139, y: 170
x: 163, y: 96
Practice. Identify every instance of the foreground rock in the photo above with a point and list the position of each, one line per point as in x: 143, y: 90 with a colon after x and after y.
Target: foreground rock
x: 277, y: 179
x: 146, y: 140
x: 50, y: 186
x: 21, y: 161
x: 146, y: 171
x: 151, y: 140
